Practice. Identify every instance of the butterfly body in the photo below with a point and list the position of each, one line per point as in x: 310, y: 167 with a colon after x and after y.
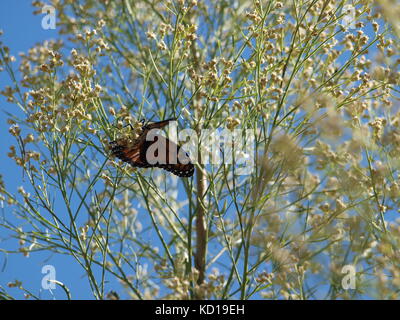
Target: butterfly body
x: 136, y: 152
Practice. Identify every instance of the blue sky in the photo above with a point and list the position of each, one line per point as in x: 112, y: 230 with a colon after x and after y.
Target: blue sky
x: 22, y: 30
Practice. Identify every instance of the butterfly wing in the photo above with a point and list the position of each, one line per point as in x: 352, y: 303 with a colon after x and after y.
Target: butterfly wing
x: 175, y: 159
x: 159, y: 125
x: 129, y: 154
x: 134, y: 154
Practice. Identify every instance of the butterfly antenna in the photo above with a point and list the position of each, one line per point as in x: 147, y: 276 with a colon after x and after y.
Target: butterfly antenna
x: 127, y: 125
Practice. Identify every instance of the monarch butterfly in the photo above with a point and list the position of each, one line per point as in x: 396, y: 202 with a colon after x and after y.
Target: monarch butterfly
x: 137, y: 155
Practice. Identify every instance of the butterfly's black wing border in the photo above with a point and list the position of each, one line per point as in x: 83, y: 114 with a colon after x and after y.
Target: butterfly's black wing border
x: 159, y: 124
x: 135, y: 155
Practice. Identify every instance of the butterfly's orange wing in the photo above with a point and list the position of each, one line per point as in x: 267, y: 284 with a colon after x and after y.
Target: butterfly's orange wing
x: 137, y: 156
x: 158, y: 125
x: 176, y: 160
